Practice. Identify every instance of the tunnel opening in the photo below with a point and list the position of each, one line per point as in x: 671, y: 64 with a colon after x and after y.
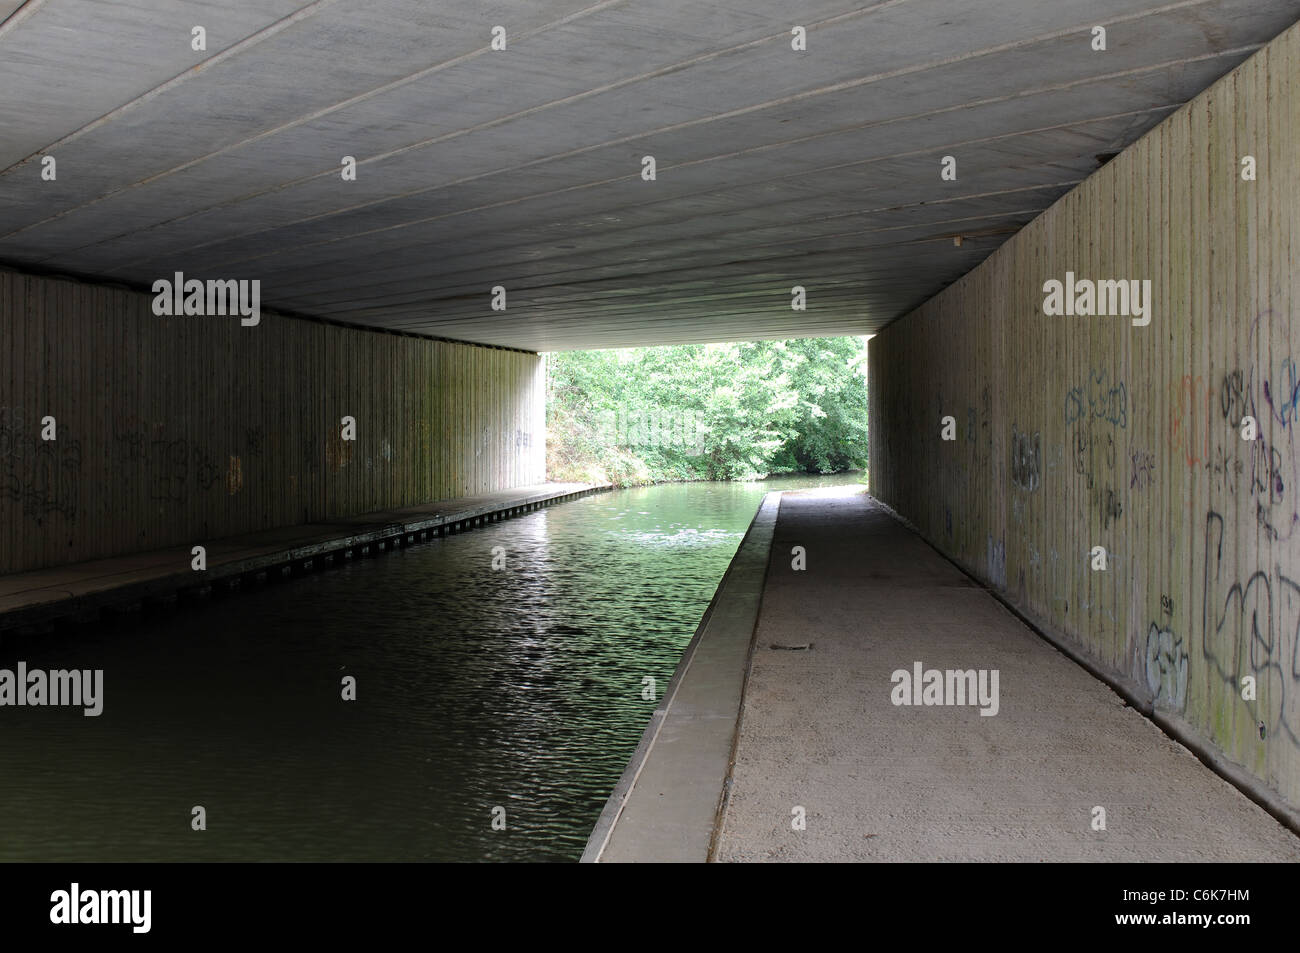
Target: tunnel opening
x: 726, y: 411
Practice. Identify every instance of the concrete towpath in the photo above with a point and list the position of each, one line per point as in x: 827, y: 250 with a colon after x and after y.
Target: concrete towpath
x: 884, y: 782
x: 79, y: 590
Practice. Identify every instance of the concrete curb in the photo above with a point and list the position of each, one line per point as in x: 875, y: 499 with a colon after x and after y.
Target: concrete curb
x: 666, y: 806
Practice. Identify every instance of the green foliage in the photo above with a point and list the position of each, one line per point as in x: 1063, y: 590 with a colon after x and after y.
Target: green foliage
x: 832, y: 388
x: 712, y: 412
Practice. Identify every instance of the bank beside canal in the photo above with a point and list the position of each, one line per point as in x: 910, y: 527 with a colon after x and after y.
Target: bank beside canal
x: 81, y: 590
x: 829, y: 765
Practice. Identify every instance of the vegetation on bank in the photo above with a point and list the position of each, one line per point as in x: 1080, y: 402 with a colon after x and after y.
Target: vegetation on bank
x: 707, y: 411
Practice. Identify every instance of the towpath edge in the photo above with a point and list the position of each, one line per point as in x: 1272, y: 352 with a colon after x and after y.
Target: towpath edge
x: 665, y: 808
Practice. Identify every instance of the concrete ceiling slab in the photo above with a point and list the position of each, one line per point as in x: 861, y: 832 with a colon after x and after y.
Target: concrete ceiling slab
x: 521, y: 167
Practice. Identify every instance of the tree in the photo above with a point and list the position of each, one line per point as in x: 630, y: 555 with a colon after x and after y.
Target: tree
x: 717, y: 411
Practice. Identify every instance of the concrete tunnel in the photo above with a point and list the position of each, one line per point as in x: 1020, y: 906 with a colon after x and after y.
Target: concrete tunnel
x: 228, y: 229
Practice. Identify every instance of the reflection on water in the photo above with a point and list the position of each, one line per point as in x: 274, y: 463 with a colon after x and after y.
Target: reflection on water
x: 518, y: 688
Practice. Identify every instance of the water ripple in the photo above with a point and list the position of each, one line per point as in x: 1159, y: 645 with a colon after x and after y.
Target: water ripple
x: 517, y: 688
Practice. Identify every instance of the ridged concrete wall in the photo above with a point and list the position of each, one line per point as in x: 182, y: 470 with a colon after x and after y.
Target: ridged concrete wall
x: 1076, y: 432
x: 174, y: 430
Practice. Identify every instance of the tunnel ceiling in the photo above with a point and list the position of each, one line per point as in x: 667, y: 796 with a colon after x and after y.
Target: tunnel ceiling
x: 523, y: 168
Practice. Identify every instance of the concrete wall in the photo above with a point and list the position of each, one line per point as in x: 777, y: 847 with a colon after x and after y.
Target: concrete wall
x: 172, y: 430
x: 1075, y: 432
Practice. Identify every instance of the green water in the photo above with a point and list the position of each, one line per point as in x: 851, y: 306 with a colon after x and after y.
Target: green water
x: 477, y: 689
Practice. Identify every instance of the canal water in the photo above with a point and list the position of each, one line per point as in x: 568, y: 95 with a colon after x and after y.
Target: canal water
x: 511, y: 694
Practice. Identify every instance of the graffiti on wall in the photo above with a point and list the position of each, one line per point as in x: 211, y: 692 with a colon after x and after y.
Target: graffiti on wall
x: 1205, y: 432
x: 43, y: 476
x: 172, y: 464
x: 1094, y: 454
x: 1165, y: 667
x: 1094, y: 460
x: 1235, y: 401
x: 1026, y: 460
x: 1282, y: 393
x: 1225, y: 470
x: 1142, y: 469
x: 1107, y: 504
x: 996, y: 561
x: 1250, y: 625
x: 1098, y: 399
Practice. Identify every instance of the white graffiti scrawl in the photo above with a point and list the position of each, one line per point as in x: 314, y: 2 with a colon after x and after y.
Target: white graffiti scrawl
x: 1166, y: 668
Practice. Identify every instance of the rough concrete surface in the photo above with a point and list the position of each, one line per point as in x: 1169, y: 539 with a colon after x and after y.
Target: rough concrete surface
x: 881, y: 782
x: 522, y: 167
